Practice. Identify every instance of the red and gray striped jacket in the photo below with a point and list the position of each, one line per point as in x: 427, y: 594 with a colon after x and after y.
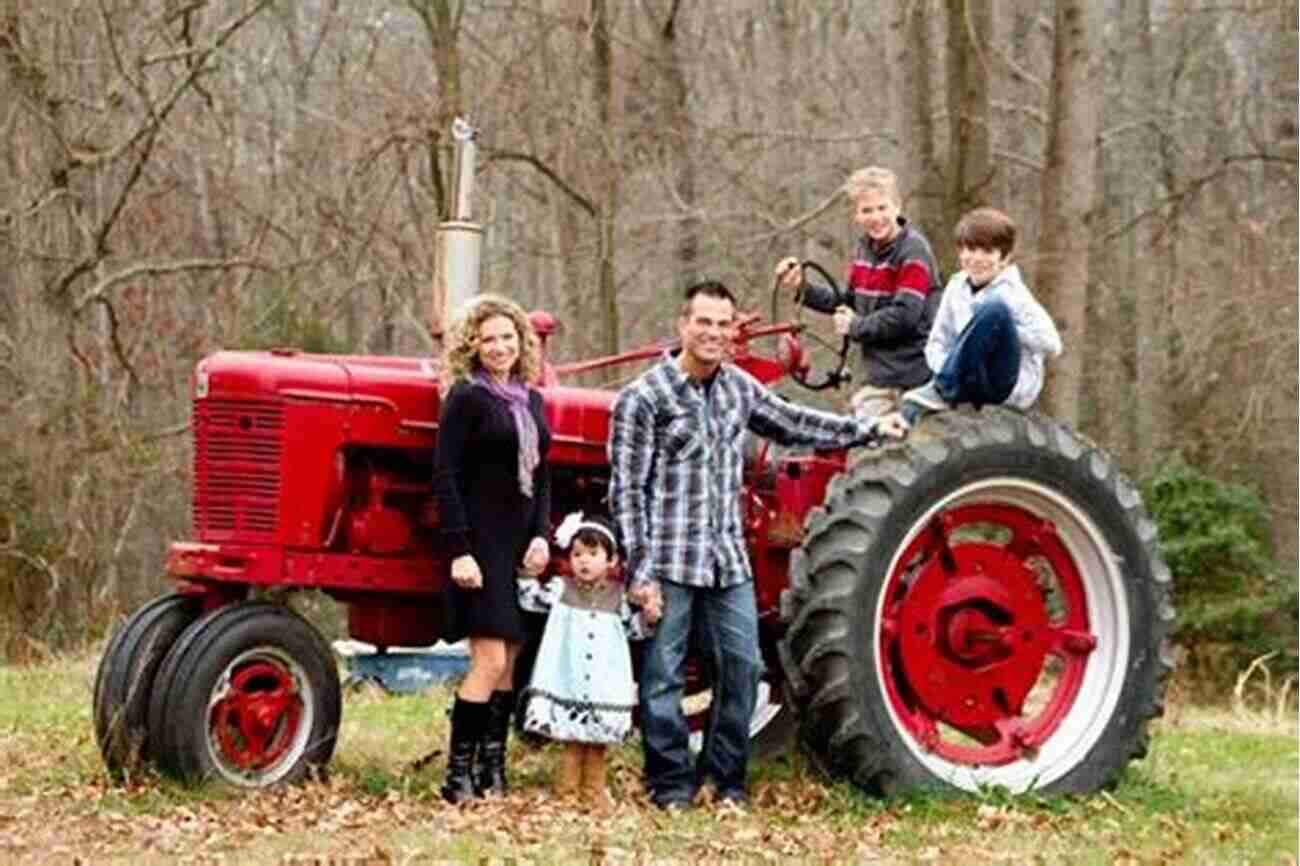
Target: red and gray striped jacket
x: 895, y: 292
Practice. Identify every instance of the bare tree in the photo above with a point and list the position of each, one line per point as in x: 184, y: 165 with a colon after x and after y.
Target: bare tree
x: 969, y: 73
x: 920, y: 82
x: 87, y: 252
x: 1147, y: 279
x: 1069, y: 193
x: 233, y: 173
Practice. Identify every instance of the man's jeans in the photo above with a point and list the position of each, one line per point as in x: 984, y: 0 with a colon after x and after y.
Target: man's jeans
x: 726, y: 628
x: 983, y: 366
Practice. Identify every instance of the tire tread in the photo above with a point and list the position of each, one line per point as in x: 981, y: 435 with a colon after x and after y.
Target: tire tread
x: 816, y: 650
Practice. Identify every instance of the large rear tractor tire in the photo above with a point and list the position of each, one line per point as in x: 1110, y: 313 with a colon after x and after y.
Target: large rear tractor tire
x: 983, y: 606
x: 125, y: 677
x: 248, y: 696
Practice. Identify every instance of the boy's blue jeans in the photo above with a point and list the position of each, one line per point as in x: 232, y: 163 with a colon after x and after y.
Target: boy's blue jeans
x: 726, y: 627
x: 984, y: 364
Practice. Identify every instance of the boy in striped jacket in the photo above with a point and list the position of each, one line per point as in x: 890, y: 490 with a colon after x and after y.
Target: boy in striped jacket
x: 893, y: 287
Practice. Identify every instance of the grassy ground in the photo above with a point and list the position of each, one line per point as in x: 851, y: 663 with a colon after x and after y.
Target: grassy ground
x: 1219, y: 786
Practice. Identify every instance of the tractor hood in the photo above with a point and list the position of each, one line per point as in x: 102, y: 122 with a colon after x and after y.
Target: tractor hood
x: 407, y: 386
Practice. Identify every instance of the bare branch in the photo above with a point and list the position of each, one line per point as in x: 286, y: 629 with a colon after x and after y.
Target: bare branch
x: 1286, y: 159
x: 1019, y: 71
x: 515, y: 156
x: 113, y: 338
x: 45, y: 199
x: 147, y: 135
x: 804, y: 218
x: 1035, y: 113
x: 9, y: 547
x: 734, y: 135
x: 1019, y: 159
x: 166, y: 432
x: 196, y: 59
x: 1192, y: 188
x: 156, y: 269
x: 109, y: 587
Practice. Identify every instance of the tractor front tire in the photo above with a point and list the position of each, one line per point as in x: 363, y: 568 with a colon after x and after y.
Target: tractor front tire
x: 125, y: 677
x: 248, y: 696
x: 982, y: 606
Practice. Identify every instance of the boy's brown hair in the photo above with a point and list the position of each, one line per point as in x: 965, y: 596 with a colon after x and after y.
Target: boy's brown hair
x: 986, y: 228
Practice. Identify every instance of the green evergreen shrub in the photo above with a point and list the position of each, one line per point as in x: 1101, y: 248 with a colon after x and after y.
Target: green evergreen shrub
x: 1215, y: 535
x: 1216, y: 538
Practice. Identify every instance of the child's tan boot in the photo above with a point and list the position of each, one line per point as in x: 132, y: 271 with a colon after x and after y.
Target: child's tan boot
x: 569, y: 778
x: 594, y: 791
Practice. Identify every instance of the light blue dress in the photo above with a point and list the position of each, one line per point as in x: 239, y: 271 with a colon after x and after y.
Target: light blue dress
x: 582, y: 689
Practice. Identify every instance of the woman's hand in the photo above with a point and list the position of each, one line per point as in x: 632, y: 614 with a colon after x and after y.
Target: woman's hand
x: 789, y: 273
x: 536, y: 557
x: 465, y: 572
x: 843, y: 320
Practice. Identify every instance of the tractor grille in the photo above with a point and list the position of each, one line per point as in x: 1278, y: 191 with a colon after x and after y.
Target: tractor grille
x: 237, y: 449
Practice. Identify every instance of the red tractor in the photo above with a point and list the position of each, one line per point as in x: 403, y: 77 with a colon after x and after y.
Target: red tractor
x: 984, y: 604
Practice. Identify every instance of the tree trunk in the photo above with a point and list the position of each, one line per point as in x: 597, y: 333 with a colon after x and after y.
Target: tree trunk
x: 1120, y: 265
x: 441, y: 20
x: 1282, y: 491
x: 1069, y: 192
x: 899, y: 152
x: 1156, y: 280
x: 920, y: 81
x: 603, y: 98
x: 970, y: 26
x: 679, y: 126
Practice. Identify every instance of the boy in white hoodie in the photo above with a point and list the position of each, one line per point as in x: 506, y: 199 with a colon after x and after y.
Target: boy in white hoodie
x: 990, y: 335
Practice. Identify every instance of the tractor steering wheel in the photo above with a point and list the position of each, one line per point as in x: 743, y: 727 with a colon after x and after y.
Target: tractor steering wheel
x: 801, y: 373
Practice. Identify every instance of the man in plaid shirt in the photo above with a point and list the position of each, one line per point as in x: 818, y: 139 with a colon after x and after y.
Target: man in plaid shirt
x: 675, y: 448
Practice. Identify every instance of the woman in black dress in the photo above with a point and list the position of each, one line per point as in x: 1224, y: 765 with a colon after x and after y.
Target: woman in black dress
x: 493, y: 490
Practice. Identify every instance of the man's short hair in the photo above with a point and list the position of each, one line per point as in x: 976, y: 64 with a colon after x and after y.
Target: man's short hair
x: 709, y: 289
x: 873, y: 178
x: 986, y: 228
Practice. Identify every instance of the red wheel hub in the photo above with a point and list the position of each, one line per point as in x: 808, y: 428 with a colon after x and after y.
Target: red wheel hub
x: 973, y: 641
x: 254, y: 722
x: 968, y: 634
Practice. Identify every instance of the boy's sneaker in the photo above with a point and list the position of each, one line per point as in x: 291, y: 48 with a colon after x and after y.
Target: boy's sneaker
x: 672, y: 804
x: 927, y: 397
x: 735, y: 800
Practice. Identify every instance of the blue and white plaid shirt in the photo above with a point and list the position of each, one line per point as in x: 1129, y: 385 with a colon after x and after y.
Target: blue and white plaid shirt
x: 676, y: 452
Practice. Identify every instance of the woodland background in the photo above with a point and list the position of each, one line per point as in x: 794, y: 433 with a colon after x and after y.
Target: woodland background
x: 179, y: 176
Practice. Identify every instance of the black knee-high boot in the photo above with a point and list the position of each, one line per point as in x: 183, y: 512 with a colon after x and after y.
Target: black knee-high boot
x: 490, y: 776
x: 468, y: 724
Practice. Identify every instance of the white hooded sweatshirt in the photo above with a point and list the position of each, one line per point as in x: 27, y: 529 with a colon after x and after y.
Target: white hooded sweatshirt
x: 1038, y: 335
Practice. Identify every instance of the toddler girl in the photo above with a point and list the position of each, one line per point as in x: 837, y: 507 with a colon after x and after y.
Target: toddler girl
x: 582, y: 692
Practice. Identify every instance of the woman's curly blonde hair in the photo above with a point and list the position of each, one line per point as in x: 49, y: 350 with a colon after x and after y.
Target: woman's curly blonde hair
x: 460, y: 357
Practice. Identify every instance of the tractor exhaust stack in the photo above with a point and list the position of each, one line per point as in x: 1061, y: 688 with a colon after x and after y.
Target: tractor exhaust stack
x: 458, y: 245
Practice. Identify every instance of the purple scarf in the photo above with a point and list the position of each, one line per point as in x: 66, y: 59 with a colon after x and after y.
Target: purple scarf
x: 515, y: 395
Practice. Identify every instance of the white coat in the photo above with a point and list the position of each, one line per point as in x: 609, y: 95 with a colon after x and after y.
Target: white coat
x: 1034, y: 327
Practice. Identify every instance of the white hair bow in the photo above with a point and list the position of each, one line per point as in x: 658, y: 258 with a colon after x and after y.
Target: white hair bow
x: 575, y: 523
x: 567, y: 529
